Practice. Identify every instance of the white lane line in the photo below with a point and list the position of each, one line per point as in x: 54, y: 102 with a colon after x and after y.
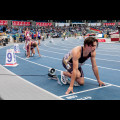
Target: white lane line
x: 104, y: 67
x: 104, y: 82
x: 85, y: 91
x: 107, y: 60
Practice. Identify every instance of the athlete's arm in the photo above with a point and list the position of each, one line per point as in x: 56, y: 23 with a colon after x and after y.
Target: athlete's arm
x: 29, y: 50
x: 74, y: 72
x: 95, y: 68
x: 38, y: 50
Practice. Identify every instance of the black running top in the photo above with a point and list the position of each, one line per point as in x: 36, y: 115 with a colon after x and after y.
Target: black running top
x: 82, y: 59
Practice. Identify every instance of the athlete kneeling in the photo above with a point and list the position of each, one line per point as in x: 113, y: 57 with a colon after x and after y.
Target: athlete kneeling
x: 73, y: 61
x: 30, y: 47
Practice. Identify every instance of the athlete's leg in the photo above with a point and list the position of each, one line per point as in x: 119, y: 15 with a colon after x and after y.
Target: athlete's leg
x: 32, y: 52
x: 66, y: 73
x: 38, y: 41
x: 27, y: 50
x: 26, y: 44
x: 80, y: 76
x: 79, y: 79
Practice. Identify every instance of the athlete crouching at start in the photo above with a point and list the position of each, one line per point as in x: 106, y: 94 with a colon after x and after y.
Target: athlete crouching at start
x: 73, y: 61
x: 31, y: 47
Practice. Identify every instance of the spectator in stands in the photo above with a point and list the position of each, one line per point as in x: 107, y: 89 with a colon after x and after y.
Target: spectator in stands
x: 4, y: 31
x: 2, y: 34
x: 21, y: 39
x: 108, y: 33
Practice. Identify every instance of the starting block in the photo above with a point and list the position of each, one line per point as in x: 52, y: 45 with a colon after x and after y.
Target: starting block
x: 10, y: 58
x: 16, y: 48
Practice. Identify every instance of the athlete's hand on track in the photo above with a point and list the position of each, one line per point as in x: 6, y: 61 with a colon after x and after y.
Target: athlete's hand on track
x: 101, y: 83
x: 70, y: 89
x: 39, y: 55
x: 27, y: 56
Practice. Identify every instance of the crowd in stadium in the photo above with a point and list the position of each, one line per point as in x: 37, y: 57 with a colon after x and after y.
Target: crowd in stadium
x: 56, y: 31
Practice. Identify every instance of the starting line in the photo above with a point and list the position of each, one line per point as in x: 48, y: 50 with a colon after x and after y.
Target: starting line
x: 85, y: 91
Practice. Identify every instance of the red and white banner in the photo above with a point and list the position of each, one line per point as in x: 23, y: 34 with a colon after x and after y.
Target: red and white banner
x: 43, y: 24
x: 3, y: 22
x: 114, y: 39
x: 20, y: 23
x: 109, y: 24
x: 94, y: 29
x: 101, y: 40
